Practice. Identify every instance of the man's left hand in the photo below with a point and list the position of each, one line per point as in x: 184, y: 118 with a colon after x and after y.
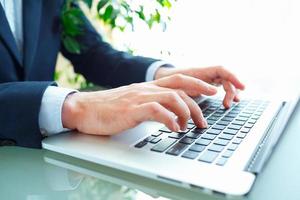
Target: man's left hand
x: 215, y: 75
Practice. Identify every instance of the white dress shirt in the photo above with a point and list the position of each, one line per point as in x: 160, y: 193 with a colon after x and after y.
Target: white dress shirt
x: 50, y: 121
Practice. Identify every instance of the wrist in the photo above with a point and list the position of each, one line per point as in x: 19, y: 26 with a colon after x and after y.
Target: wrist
x: 163, y: 72
x: 70, y: 111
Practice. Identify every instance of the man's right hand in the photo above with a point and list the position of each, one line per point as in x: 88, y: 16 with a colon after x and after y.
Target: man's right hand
x: 166, y: 100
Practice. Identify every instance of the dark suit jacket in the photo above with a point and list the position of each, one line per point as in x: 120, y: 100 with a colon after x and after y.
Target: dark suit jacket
x: 23, y: 81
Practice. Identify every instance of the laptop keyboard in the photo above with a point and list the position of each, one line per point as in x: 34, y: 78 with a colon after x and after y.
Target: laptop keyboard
x: 226, y: 130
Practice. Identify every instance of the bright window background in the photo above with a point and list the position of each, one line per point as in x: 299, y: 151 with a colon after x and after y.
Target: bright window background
x: 257, y: 39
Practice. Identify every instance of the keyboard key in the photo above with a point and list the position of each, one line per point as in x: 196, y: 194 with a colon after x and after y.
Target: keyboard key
x: 245, y: 130
x: 221, y: 161
x: 213, y: 131
x: 165, y: 129
x: 158, y: 133
x: 177, y: 149
x: 228, y: 119
x: 208, y: 136
x: 236, y: 122
x: 190, y: 154
x: 193, y: 135
x: 257, y: 113
x: 221, y: 110
x: 176, y: 135
x: 241, y: 135
x: 230, y: 131
x: 203, y: 141
x: 227, y: 153
x: 226, y: 136
x: 199, y: 130
x: 206, y: 114
x: 197, y: 148
x: 237, y: 141
x: 255, y: 117
x: 249, y: 111
x: 220, y: 141
x: 214, y: 118
x: 141, y: 144
x: 149, y: 138
x: 235, y: 112
x: 231, y: 115
x: 248, y: 125
x: 233, y: 147
x: 163, y: 145
x: 213, y: 108
x: 216, y: 148
x: 190, y: 126
x: 224, y: 123
x: 184, y: 131
x: 187, y: 140
x: 218, y: 115
x: 252, y: 121
x: 241, y: 118
x: 234, y: 127
x: 219, y: 127
x: 245, y: 115
x: 203, y: 105
x: 210, y: 122
x: 155, y: 140
x: 208, y: 156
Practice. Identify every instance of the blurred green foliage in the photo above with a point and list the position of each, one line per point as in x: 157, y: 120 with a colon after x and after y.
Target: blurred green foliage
x: 115, y: 14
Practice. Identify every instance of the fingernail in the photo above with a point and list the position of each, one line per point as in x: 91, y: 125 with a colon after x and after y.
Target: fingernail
x: 176, y: 127
x: 184, y: 127
x: 204, y: 124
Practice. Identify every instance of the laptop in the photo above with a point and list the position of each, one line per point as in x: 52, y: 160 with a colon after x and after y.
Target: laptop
x: 224, y: 158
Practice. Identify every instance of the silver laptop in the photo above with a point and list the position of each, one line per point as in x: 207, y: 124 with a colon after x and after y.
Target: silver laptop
x: 224, y: 158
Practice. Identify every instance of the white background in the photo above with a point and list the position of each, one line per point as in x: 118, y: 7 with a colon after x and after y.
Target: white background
x: 259, y: 40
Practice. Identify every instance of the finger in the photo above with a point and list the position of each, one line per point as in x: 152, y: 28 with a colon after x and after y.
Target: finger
x: 173, y: 102
x: 192, y: 86
x: 153, y: 111
x: 195, y: 110
x: 230, y: 94
x: 236, y: 97
x: 227, y: 75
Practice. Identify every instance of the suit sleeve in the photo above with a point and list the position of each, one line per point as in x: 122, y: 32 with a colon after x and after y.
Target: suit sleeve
x: 19, y: 106
x: 103, y: 65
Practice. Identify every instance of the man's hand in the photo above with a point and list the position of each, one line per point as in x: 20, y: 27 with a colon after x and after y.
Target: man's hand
x: 112, y: 111
x: 213, y: 75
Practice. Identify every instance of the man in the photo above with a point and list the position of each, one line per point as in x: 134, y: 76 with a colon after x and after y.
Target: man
x: 32, y: 106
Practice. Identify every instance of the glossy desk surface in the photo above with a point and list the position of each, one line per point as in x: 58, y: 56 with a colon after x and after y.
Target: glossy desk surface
x: 40, y: 174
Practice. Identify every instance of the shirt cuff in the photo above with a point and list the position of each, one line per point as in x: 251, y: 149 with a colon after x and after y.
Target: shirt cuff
x: 50, y: 121
x: 154, y: 67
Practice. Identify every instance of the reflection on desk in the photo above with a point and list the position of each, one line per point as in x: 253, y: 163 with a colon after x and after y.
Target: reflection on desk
x: 39, y: 174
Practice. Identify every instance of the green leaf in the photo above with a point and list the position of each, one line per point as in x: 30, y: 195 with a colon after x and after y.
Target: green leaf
x: 108, y: 12
x: 72, y: 22
x: 122, y: 28
x: 71, y: 45
x: 156, y: 16
x: 101, y: 4
x: 89, y: 3
x: 129, y: 19
x: 165, y: 3
x: 126, y: 6
x: 141, y: 13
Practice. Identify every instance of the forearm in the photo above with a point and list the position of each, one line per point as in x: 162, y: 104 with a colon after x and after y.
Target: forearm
x: 19, y: 106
